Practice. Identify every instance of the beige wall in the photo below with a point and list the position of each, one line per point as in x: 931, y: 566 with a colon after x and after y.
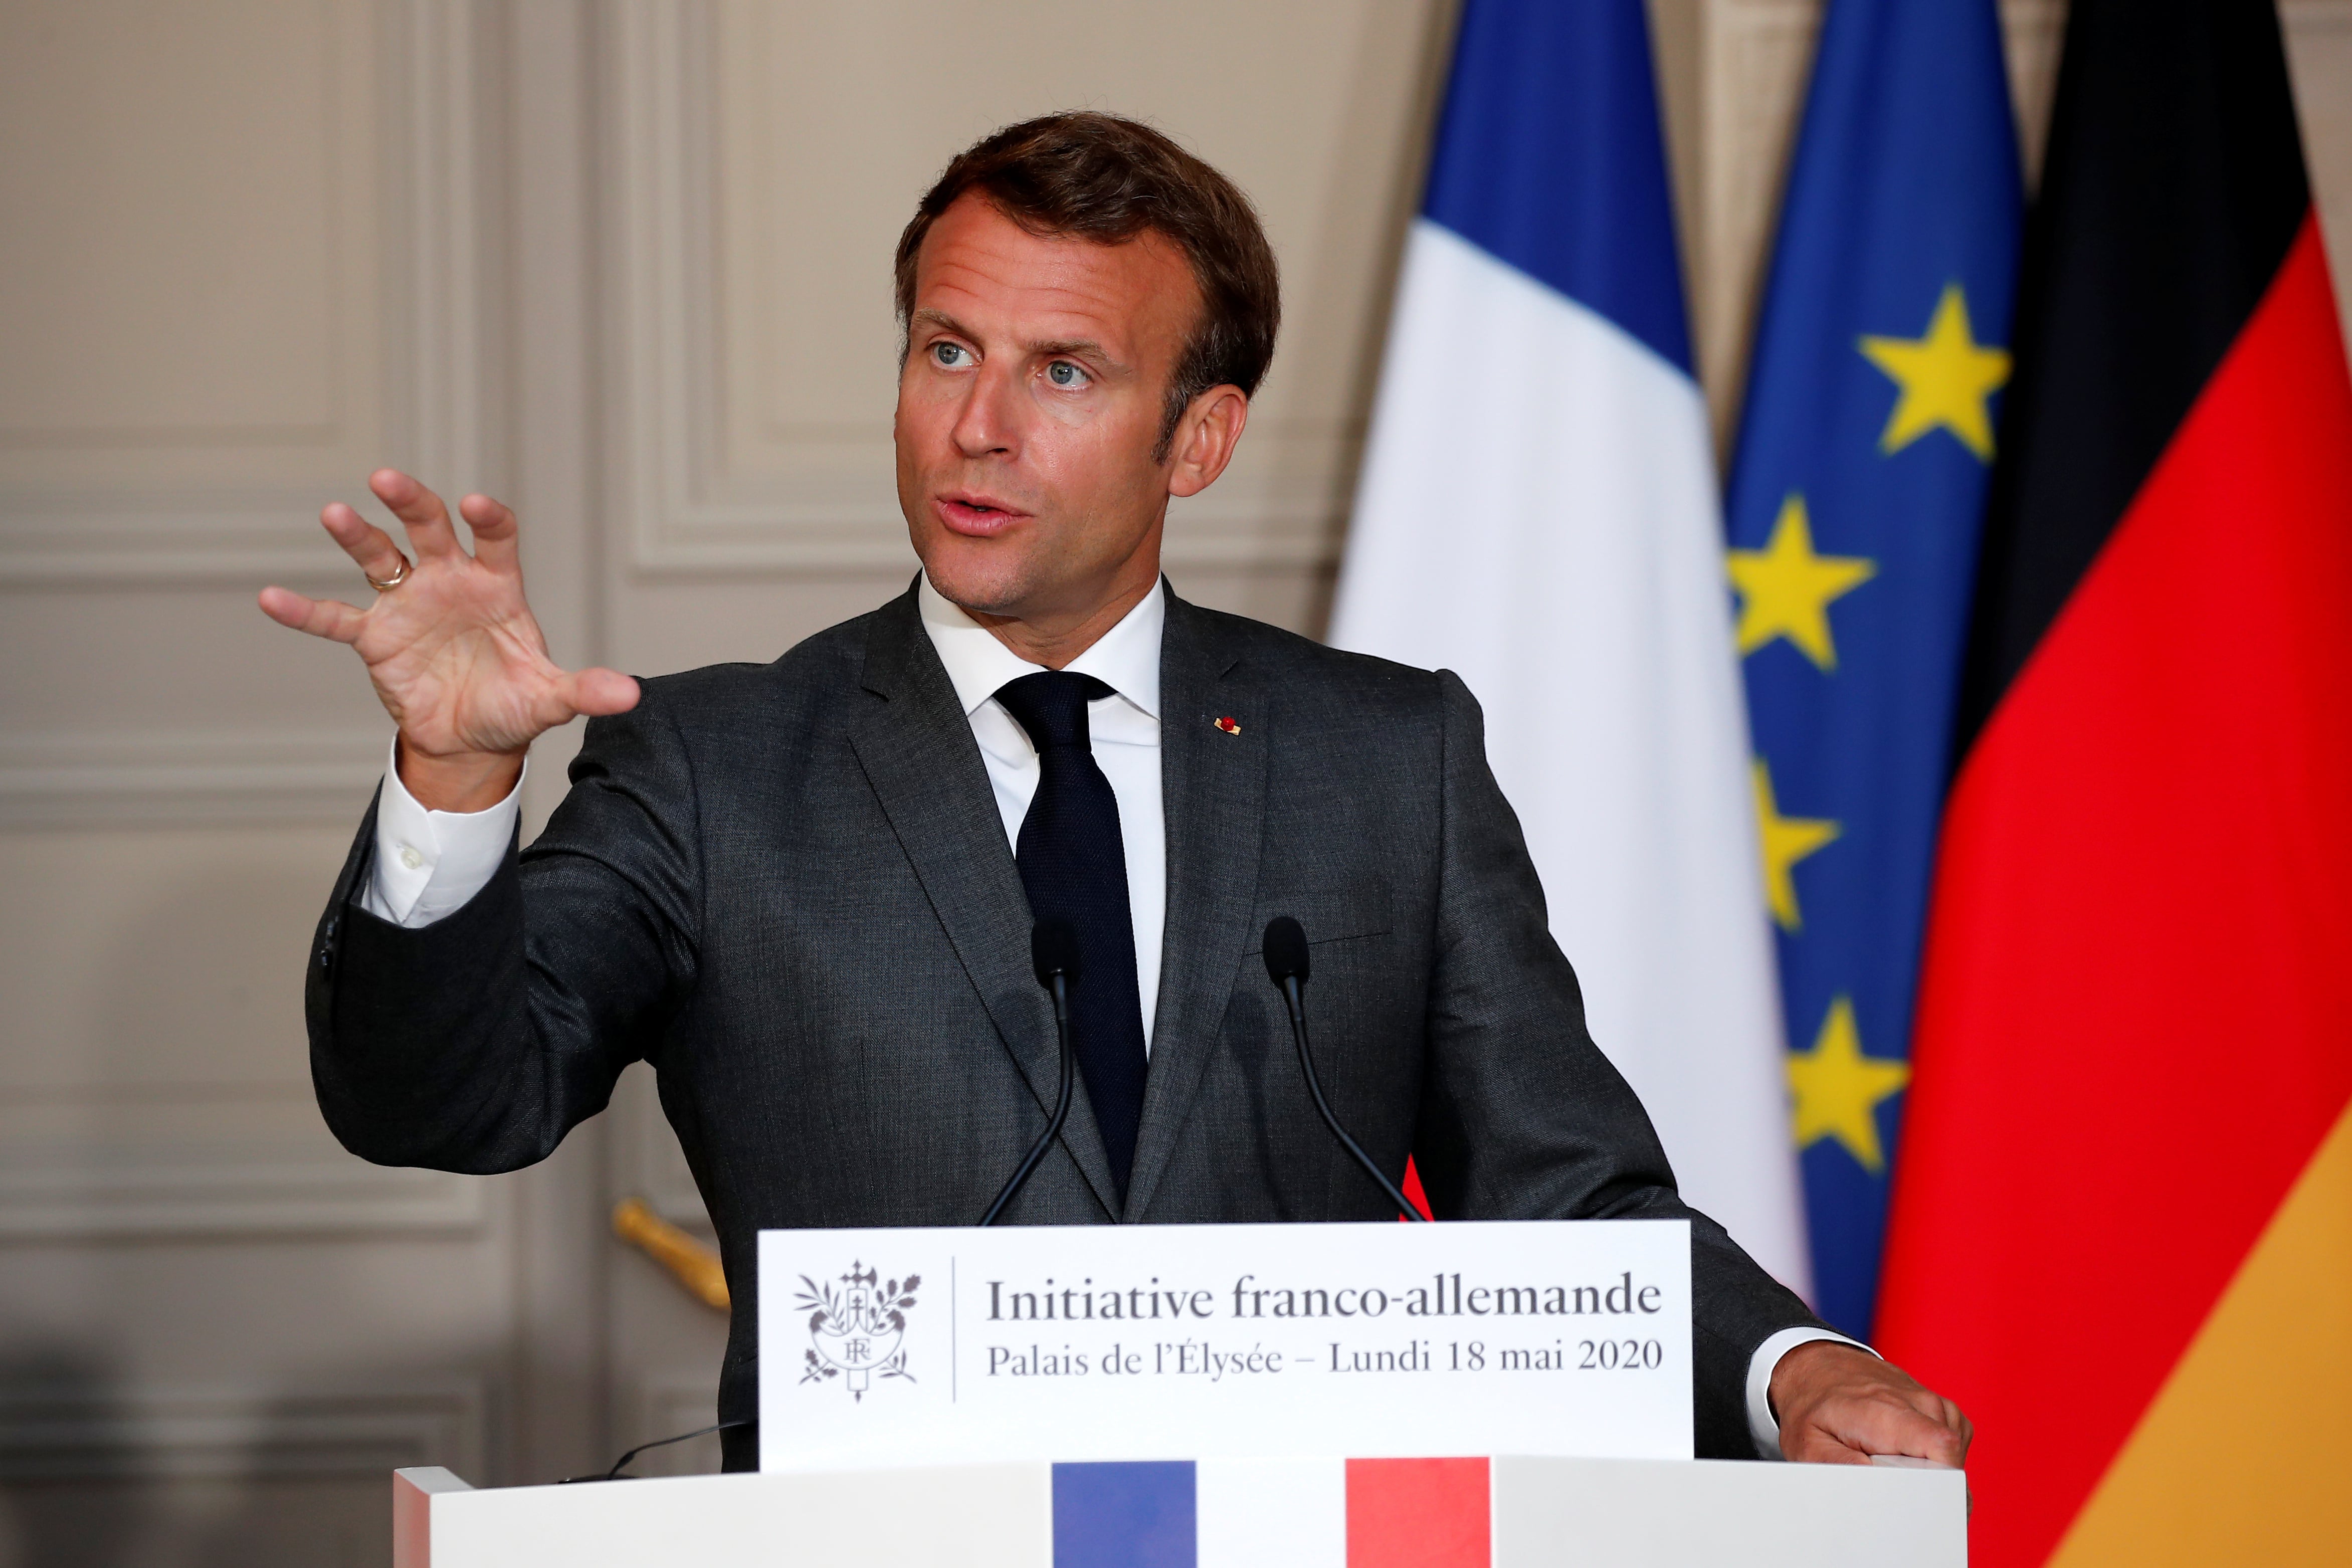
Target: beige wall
x: 248, y: 251
x: 624, y: 262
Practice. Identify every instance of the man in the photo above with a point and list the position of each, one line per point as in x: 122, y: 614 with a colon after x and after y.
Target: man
x: 803, y: 891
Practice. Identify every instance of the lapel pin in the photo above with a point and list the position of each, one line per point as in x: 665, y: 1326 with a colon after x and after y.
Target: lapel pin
x: 1230, y: 726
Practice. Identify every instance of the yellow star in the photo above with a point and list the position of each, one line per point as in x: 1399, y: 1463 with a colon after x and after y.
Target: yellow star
x: 1786, y: 840
x: 1785, y: 589
x: 1838, y: 1088
x: 1946, y: 377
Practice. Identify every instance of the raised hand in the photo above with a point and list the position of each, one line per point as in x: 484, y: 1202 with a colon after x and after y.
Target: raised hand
x: 456, y: 657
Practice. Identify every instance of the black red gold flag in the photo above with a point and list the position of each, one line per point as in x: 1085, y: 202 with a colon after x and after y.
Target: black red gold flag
x: 2122, y: 1229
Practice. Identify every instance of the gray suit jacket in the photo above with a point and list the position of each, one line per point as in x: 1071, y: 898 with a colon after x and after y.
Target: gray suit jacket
x: 787, y: 888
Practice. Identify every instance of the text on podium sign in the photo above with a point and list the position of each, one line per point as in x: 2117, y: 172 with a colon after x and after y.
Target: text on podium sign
x: 940, y: 1346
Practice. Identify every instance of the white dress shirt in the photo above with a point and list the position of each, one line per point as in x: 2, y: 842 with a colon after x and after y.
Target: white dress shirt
x: 1124, y: 727
x: 429, y: 863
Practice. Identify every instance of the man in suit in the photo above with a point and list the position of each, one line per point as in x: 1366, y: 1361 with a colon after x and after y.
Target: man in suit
x: 803, y: 891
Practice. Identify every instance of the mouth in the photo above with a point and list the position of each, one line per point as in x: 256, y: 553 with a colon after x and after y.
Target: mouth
x: 976, y: 515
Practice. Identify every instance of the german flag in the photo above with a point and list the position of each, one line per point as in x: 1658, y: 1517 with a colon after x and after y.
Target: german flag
x: 2121, y: 1233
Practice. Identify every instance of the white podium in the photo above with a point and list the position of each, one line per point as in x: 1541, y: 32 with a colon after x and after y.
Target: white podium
x: 1287, y: 1513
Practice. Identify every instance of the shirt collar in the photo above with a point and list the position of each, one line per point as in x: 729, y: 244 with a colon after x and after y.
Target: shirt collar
x: 1126, y: 658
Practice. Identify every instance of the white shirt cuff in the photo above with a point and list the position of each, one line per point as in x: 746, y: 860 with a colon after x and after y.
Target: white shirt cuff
x: 1761, y: 1424
x: 429, y: 863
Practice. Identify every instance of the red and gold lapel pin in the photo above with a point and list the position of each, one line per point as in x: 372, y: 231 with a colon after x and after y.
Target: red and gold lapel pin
x: 1230, y: 726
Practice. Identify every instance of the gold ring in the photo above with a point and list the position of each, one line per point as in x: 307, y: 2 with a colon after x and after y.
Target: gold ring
x: 387, y: 585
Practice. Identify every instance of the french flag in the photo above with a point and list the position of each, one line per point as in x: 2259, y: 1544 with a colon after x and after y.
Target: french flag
x: 1500, y: 1512
x: 1538, y: 512
x: 1274, y: 1513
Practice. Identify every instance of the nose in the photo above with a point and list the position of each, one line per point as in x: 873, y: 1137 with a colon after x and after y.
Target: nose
x: 988, y: 424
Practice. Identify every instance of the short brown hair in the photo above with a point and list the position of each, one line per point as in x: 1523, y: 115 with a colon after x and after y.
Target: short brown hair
x: 1104, y: 178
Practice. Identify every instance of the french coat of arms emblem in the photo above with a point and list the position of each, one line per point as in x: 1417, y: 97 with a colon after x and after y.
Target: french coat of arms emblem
x: 857, y: 1326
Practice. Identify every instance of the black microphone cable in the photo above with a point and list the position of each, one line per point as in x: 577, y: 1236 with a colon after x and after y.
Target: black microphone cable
x: 1054, y: 956
x: 1285, y: 965
x: 614, y: 1473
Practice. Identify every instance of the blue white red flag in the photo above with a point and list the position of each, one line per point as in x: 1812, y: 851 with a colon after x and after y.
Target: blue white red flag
x: 1258, y: 1514
x: 1538, y: 513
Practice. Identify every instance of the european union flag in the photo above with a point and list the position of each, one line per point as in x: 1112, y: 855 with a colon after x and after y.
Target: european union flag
x: 1854, y: 512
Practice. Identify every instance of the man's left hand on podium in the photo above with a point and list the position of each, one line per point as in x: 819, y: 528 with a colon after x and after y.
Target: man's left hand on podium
x: 1839, y: 1405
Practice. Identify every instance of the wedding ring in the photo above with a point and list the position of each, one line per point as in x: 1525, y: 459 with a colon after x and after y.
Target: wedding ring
x: 386, y: 585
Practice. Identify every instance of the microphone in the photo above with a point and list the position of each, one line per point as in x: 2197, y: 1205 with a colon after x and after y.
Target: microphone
x: 1285, y: 965
x: 1054, y: 959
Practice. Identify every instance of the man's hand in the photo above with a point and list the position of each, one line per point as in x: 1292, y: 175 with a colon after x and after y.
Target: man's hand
x: 1839, y: 1405
x: 457, y: 659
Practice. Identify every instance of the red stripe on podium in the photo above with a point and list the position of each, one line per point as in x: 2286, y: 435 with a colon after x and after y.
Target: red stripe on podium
x: 1419, y: 1513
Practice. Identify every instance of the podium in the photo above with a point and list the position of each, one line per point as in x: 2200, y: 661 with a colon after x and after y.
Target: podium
x: 1502, y: 1512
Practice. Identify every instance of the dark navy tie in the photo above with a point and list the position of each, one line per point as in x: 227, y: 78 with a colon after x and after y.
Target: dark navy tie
x: 1073, y: 865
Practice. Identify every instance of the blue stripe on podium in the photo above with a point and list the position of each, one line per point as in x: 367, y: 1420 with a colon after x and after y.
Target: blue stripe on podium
x: 1133, y: 1515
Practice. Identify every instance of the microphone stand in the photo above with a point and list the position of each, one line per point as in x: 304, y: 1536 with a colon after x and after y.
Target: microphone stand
x: 1292, y: 994
x: 1058, y: 983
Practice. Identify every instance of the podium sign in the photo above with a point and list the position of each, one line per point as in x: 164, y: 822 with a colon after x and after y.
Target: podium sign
x: 881, y: 1348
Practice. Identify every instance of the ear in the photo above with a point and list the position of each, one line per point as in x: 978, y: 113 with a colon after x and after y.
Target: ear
x: 1206, y: 438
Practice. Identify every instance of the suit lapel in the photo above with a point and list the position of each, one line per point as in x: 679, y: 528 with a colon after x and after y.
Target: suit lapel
x: 918, y: 752
x: 1212, y: 785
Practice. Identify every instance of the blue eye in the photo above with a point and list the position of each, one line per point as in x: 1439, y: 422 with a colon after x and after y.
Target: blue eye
x: 1063, y: 374
x: 947, y: 354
